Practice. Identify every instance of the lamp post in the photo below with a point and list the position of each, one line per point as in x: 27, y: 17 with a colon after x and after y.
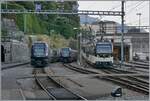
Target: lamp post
x: 139, y: 14
x: 6, y: 5
x: 75, y: 29
x: 78, y: 46
x: 80, y: 40
x: 122, y: 32
x: 24, y: 17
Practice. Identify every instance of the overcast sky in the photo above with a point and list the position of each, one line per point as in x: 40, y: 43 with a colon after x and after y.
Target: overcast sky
x: 131, y: 8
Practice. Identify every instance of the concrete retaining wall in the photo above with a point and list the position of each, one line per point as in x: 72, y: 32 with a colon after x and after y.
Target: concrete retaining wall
x: 15, y: 51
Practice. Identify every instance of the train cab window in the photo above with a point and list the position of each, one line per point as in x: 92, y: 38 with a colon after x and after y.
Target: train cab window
x: 39, y: 49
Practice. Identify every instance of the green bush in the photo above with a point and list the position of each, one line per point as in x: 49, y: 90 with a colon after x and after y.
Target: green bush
x: 43, y: 24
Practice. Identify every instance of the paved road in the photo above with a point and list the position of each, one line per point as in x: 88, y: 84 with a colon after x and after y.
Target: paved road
x: 10, y: 88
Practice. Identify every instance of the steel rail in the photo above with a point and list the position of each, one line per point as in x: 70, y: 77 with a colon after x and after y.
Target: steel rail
x: 44, y: 88
x: 136, y: 65
x: 96, y: 73
x: 115, y: 79
x: 81, y: 70
x: 126, y: 84
x: 129, y: 79
x: 139, y: 63
x: 54, y: 80
x: 146, y: 83
x: 131, y: 69
x: 81, y: 75
x: 79, y: 97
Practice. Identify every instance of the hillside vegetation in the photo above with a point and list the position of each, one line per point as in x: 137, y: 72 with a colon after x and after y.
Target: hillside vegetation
x: 54, y: 41
x: 44, y: 24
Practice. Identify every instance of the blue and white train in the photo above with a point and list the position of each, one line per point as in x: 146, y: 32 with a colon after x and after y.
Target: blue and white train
x: 99, y: 54
x: 39, y: 54
x: 68, y: 55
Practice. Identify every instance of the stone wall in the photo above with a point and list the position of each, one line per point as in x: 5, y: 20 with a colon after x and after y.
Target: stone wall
x: 15, y: 51
x: 20, y: 51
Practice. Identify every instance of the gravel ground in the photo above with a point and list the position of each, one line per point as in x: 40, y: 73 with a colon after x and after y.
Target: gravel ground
x: 92, y: 88
x: 87, y: 87
x: 10, y: 87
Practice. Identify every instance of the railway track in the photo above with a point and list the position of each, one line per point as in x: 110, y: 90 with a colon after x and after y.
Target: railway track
x: 120, y: 71
x: 58, y: 91
x: 125, y: 69
x: 134, y: 84
x: 81, y: 70
x: 137, y: 83
x: 139, y: 63
x: 135, y: 65
x: 131, y: 69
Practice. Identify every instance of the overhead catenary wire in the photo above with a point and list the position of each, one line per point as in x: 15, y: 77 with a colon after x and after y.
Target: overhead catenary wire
x: 143, y: 6
x: 143, y: 20
x: 131, y: 5
x: 115, y: 7
x: 126, y: 6
x: 137, y: 6
x: 130, y: 10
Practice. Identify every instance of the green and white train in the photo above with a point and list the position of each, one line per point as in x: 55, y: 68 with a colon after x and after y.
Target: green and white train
x: 99, y: 54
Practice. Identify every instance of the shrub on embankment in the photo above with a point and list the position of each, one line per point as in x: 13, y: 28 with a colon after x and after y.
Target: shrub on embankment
x: 54, y: 41
x: 44, y: 24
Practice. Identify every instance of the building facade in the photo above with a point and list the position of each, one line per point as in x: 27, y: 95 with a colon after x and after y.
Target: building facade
x: 134, y: 41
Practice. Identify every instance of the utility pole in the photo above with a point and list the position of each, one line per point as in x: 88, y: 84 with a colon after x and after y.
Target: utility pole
x: 139, y: 14
x: 24, y: 17
x: 79, y: 51
x: 80, y: 58
x: 78, y: 43
x: 79, y: 40
x: 122, y: 32
x: 6, y: 5
x: 86, y: 20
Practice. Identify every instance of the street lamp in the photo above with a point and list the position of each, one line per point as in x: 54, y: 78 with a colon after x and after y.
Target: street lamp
x: 75, y: 29
x: 6, y: 5
x: 78, y: 45
x: 139, y: 14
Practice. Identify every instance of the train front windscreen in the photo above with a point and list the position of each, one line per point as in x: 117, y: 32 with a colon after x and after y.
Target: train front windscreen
x: 65, y: 52
x: 103, y: 48
x: 39, y: 50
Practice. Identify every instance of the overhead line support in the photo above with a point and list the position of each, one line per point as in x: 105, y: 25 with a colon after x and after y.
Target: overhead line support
x: 122, y: 32
x: 80, y: 12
